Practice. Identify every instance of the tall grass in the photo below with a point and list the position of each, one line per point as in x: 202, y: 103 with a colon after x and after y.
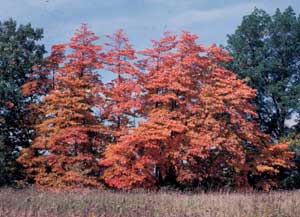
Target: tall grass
x: 21, y: 203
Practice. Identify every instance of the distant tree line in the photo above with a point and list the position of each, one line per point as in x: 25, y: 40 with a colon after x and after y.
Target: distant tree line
x: 176, y: 114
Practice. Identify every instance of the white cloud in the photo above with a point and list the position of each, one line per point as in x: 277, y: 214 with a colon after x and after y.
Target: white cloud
x: 194, y: 16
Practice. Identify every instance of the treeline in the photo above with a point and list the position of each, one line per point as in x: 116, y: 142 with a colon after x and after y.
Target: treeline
x: 175, y: 114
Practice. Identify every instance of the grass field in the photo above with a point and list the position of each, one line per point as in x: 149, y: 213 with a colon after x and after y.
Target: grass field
x: 20, y: 203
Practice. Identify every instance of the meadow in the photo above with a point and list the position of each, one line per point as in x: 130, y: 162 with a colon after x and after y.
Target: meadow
x: 23, y: 203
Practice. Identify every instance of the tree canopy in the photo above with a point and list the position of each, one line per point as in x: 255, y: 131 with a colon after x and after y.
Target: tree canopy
x: 174, y: 114
x: 266, y: 53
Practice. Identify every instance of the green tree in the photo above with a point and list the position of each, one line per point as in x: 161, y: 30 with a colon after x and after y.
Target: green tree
x: 266, y: 54
x: 20, y: 50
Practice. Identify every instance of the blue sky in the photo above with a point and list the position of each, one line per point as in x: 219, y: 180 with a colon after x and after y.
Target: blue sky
x: 142, y: 19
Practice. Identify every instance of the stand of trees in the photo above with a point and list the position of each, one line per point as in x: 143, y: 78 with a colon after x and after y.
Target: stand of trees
x: 176, y: 113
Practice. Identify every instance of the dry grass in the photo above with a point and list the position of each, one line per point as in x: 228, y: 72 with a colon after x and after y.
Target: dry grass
x: 21, y: 203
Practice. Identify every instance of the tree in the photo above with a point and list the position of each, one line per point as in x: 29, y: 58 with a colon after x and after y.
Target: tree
x: 42, y: 78
x: 122, y: 93
x: 266, y: 54
x: 39, y: 84
x: 20, y: 49
x: 70, y: 138
x: 132, y: 161
x: 234, y: 151
x: 196, y: 125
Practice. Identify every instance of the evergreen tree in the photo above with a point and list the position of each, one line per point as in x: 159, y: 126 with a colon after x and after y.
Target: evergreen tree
x: 265, y: 52
x: 20, y: 50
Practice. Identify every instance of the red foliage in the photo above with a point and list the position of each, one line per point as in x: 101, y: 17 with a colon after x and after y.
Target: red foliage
x: 122, y: 93
x: 196, y: 122
x: 42, y: 78
x: 198, y: 119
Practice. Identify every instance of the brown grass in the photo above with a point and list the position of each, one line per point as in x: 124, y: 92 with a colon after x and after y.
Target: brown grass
x: 21, y: 203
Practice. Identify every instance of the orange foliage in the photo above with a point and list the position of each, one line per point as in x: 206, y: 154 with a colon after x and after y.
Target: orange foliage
x: 196, y: 122
x: 42, y: 78
x: 198, y: 119
x: 70, y: 139
x: 122, y: 93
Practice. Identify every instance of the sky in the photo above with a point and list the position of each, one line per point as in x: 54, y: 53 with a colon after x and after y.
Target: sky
x: 142, y: 20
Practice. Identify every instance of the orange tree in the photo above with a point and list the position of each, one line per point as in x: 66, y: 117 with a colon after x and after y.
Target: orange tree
x: 70, y: 138
x: 122, y: 93
x: 196, y: 125
x: 133, y: 161
x: 39, y: 84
